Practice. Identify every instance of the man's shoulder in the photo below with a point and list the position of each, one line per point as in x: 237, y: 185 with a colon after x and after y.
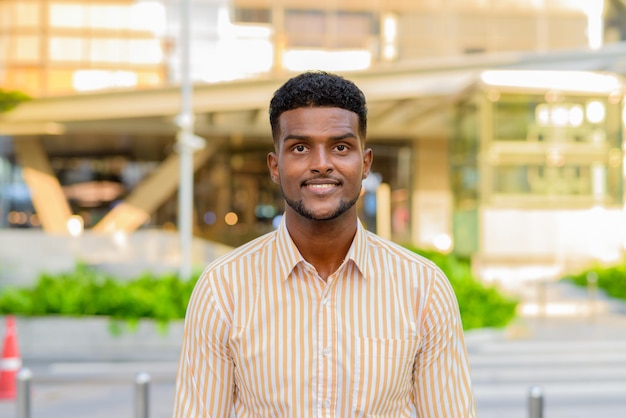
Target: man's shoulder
x: 243, y: 253
x: 398, y: 252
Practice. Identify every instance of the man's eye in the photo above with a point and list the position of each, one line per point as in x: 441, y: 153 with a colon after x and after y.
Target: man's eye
x: 299, y: 148
x: 341, y: 147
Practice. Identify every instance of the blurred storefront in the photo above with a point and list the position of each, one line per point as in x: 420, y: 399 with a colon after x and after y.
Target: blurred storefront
x: 538, y: 169
x: 462, y: 163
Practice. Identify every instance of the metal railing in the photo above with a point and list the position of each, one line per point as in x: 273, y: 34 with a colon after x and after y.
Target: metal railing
x: 535, y: 402
x: 24, y: 381
x: 142, y: 396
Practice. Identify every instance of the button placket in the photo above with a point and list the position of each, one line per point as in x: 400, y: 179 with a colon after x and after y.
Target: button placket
x: 325, y: 366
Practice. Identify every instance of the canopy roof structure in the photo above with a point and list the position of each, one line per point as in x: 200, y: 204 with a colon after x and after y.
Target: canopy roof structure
x: 404, y: 101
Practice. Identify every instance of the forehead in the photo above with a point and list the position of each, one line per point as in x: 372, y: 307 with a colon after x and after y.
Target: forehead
x: 305, y: 120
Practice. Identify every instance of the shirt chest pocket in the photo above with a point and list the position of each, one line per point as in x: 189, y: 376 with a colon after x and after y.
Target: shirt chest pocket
x: 383, y: 376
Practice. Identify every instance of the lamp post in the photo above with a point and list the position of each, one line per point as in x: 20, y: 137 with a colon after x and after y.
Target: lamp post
x: 187, y: 143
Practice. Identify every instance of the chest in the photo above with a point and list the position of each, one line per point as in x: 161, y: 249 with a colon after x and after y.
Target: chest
x: 345, y: 343
x: 345, y: 306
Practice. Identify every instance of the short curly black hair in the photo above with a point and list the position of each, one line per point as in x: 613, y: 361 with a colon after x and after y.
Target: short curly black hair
x: 318, y: 89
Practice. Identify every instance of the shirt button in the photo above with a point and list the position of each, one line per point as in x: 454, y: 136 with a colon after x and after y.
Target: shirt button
x: 326, y: 352
x: 327, y: 403
x: 325, y: 301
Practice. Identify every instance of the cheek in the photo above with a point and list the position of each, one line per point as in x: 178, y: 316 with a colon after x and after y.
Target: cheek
x: 288, y: 169
x: 356, y: 170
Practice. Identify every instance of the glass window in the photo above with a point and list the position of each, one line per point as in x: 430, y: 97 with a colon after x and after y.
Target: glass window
x: 463, y: 155
x: 27, y: 14
x: 108, y: 50
x: 4, y: 51
x: 584, y: 183
x: 391, y: 166
x: 305, y: 28
x: 67, y: 15
x: 16, y: 209
x: 144, y: 16
x: 315, y: 28
x: 66, y: 49
x: 252, y: 15
x: 511, y: 120
x: 6, y: 15
x: 91, y: 185
x: 350, y: 30
x: 552, y: 148
x: 145, y: 51
x: 26, y: 48
x: 567, y: 180
x: 464, y: 182
x: 108, y: 17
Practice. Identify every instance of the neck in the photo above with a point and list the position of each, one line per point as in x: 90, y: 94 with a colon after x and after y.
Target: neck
x: 324, y: 244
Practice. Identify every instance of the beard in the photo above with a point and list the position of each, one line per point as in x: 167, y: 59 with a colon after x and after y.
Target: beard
x: 298, y: 206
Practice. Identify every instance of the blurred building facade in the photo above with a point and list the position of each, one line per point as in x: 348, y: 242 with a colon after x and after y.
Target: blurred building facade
x: 52, y: 47
x: 470, y: 161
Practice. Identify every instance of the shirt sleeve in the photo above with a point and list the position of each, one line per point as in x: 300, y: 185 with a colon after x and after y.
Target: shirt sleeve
x: 204, y: 381
x: 442, y: 382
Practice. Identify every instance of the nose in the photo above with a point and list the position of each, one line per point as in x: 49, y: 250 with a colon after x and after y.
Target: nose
x: 321, y: 161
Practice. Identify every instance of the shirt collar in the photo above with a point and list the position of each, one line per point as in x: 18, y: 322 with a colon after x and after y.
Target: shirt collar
x: 288, y: 253
x: 291, y: 257
x: 358, y: 252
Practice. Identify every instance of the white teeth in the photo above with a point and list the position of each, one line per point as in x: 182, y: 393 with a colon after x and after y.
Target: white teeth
x: 321, y: 186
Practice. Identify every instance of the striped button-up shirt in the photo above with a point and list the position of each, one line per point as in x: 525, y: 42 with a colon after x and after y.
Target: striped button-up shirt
x: 265, y: 336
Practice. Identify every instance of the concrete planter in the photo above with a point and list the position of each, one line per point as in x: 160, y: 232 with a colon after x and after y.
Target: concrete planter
x: 59, y: 338
x: 90, y: 338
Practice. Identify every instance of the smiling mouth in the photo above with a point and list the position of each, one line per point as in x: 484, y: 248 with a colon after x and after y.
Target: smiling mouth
x: 323, y: 186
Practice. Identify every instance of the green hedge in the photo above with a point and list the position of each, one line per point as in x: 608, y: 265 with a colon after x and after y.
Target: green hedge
x: 611, y: 279
x: 481, y: 306
x: 10, y: 99
x: 86, y: 291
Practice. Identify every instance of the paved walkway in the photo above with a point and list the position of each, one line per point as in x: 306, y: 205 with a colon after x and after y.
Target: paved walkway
x: 568, y: 342
x: 560, y: 310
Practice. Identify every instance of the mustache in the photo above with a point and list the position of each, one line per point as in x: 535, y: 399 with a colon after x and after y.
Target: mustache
x: 322, y: 179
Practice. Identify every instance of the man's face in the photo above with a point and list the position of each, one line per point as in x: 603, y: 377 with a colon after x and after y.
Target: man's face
x: 319, y: 161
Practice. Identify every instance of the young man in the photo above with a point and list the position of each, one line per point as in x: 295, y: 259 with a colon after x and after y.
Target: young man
x: 322, y: 318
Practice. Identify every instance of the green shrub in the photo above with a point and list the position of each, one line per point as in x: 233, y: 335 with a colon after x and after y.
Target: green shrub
x: 611, y: 279
x: 86, y: 291
x: 481, y: 306
x: 10, y: 99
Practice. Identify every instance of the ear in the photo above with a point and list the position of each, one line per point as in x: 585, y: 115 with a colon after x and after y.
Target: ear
x: 272, y: 164
x: 368, y: 158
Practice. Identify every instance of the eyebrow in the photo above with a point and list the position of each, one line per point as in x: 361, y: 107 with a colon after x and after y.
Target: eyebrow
x: 294, y: 137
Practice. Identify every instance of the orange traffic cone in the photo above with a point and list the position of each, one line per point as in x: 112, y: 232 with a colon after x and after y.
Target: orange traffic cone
x: 10, y: 363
